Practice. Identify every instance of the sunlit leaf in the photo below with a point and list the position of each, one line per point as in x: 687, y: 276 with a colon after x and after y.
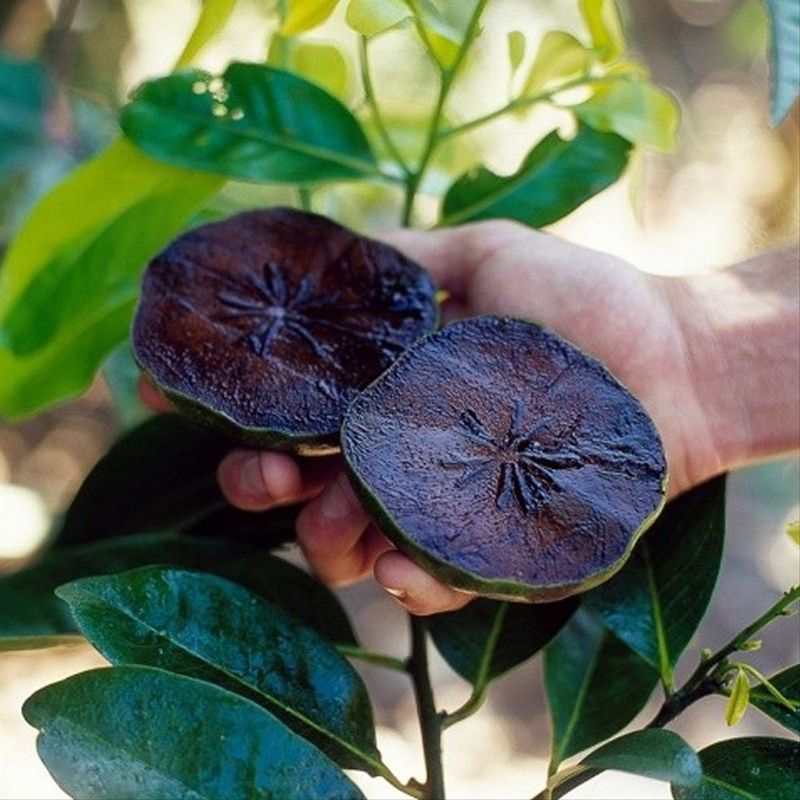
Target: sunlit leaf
x: 793, y: 532
x: 142, y: 732
x: 750, y: 768
x: 254, y: 123
x: 557, y: 176
x: 206, y: 627
x: 487, y: 638
x: 657, y: 600
x: 322, y: 64
x: 69, y: 280
x: 639, y: 111
x: 784, y: 56
x: 303, y: 15
x: 787, y: 682
x: 516, y: 49
x: 213, y: 16
x: 371, y: 17
x: 595, y: 685
x: 738, y: 700
x: 605, y: 27
x: 560, y: 57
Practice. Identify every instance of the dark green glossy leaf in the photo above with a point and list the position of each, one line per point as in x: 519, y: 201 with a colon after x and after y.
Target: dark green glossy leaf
x: 28, y: 606
x: 656, y: 601
x: 652, y: 753
x: 487, y: 637
x: 207, y: 627
x: 784, y: 56
x: 750, y: 768
x: 787, y: 682
x: 595, y: 684
x: 295, y: 591
x: 140, y: 732
x: 157, y: 476
x: 255, y: 123
x: 23, y: 99
x: 69, y: 282
x: 556, y: 177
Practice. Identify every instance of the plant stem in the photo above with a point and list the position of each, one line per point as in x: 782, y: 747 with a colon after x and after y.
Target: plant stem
x: 378, y: 659
x: 430, y: 720
x: 448, y: 76
x: 707, y: 679
x: 481, y: 683
x: 372, y: 102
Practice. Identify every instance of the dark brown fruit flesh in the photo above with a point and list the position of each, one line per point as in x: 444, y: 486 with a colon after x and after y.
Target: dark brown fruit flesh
x: 269, y: 323
x: 506, y: 461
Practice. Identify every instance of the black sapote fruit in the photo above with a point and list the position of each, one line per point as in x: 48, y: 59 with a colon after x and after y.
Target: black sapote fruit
x: 506, y: 461
x: 269, y: 323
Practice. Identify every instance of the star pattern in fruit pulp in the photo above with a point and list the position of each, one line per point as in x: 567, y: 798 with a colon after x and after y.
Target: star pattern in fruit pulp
x: 528, y: 464
x: 278, y: 311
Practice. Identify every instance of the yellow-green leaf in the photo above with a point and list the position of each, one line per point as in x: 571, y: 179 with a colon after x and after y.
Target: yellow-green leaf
x: 303, y: 15
x: 605, y: 27
x: 560, y: 57
x: 793, y: 531
x: 739, y: 697
x: 639, y: 111
x: 322, y: 64
x: 516, y: 49
x: 371, y: 17
x: 213, y: 17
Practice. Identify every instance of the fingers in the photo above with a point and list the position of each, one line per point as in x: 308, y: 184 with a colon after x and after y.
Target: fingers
x: 152, y: 397
x: 335, y: 534
x: 416, y: 590
x: 258, y: 480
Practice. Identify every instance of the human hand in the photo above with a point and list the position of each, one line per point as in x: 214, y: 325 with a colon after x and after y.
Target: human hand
x: 637, y: 324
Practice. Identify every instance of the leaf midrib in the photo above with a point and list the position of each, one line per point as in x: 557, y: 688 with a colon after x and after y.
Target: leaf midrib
x: 377, y: 765
x: 664, y: 663
x: 243, y: 131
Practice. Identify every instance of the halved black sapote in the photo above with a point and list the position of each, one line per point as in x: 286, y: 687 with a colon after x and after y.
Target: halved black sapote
x: 269, y: 323
x: 506, y: 461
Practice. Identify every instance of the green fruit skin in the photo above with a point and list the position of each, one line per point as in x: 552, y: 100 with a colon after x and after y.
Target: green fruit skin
x: 305, y: 444
x: 470, y: 583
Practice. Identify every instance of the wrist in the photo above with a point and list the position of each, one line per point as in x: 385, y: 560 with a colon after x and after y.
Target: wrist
x: 740, y: 334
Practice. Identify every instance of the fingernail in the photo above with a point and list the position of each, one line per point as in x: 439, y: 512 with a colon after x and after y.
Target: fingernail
x: 400, y: 594
x: 335, y: 504
x: 252, y: 479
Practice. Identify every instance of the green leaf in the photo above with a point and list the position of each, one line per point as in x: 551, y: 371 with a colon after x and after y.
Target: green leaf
x: 516, y: 49
x: 159, y: 475
x: 210, y: 628
x: 488, y: 638
x: 651, y: 753
x: 322, y: 64
x: 560, y: 57
x: 784, y: 56
x: 787, y: 682
x: 28, y: 606
x: 595, y: 685
x: 69, y: 281
x: 739, y: 697
x: 213, y: 16
x: 605, y: 27
x: 14, y: 643
x: 141, y: 732
x: 303, y: 15
x: 255, y: 123
x: 23, y: 100
x: 371, y: 17
x: 637, y: 110
x: 793, y: 532
x: 750, y: 768
x: 656, y: 601
x: 556, y: 177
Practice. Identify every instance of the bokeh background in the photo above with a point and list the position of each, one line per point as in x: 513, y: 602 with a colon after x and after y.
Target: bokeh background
x: 729, y: 190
